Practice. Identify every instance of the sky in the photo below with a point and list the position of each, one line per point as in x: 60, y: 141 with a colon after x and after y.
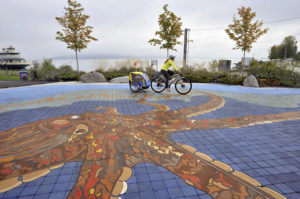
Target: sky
x: 123, y: 27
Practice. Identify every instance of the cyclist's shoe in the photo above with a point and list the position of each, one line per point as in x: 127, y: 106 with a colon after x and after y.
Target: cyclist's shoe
x: 168, y: 89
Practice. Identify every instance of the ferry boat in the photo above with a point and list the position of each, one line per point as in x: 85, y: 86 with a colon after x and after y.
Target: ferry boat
x: 11, y: 60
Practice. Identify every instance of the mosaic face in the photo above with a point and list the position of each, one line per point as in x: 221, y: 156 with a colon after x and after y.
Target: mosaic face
x: 109, y: 144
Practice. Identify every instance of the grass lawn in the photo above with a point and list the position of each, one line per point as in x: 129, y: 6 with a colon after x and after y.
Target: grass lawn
x: 11, y: 77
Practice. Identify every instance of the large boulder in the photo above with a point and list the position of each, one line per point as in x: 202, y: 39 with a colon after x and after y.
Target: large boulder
x: 251, y: 81
x: 124, y: 79
x: 92, y: 77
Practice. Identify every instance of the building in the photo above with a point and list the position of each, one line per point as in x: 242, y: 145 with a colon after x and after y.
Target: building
x: 11, y: 60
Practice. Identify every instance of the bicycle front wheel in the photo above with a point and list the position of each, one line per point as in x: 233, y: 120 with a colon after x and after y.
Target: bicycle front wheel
x: 158, y: 84
x: 183, y: 86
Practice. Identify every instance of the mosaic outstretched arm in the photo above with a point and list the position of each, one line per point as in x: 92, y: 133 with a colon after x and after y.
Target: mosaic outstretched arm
x: 215, y: 102
x: 99, y: 174
x: 102, y: 172
x: 40, y: 145
x: 236, y: 122
x: 192, y: 169
x: 157, y: 107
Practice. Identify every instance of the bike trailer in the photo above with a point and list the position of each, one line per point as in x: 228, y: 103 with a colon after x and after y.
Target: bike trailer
x: 139, y: 79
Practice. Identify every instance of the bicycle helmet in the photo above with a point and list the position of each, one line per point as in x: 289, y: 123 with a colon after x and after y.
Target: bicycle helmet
x: 172, y: 57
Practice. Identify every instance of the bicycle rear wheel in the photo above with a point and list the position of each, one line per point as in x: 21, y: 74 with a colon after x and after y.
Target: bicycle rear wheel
x: 158, y: 84
x: 133, y: 88
x: 183, y: 86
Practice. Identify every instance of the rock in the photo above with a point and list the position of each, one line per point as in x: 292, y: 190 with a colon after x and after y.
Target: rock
x: 251, y: 81
x: 92, y: 77
x: 124, y: 79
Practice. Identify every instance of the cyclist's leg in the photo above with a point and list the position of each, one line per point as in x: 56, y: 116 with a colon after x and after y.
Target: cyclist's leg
x: 166, y: 75
x: 170, y: 73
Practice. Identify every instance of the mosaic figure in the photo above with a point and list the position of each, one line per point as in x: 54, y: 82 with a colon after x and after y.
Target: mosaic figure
x: 109, y: 144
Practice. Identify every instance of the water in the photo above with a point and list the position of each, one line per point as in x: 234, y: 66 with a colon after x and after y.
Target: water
x: 89, y: 65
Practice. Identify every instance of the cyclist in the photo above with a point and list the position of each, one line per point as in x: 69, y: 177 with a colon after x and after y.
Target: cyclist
x: 166, y: 72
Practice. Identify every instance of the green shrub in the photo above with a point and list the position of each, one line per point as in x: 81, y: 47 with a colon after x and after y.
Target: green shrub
x: 48, y: 70
x: 268, y: 73
x: 204, y: 76
x: 274, y: 74
x: 66, y: 73
x: 35, y: 72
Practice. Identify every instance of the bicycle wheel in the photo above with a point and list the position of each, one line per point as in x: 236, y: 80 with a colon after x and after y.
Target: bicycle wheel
x: 158, y: 84
x: 183, y: 86
x: 133, y: 88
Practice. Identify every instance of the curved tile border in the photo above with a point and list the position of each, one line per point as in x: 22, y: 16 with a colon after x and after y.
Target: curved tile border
x: 242, y: 177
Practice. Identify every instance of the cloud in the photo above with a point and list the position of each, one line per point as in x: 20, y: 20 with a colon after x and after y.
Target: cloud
x: 124, y: 27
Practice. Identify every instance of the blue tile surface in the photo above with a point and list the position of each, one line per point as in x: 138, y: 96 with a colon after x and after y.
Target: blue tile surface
x: 247, y: 90
x: 270, y: 153
x: 49, y: 186
x: 164, y: 185
x: 267, y: 152
x: 36, y: 92
x: 20, y: 117
x: 177, y: 104
x: 236, y: 108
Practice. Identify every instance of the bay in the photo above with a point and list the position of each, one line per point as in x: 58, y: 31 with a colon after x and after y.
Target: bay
x: 88, y: 65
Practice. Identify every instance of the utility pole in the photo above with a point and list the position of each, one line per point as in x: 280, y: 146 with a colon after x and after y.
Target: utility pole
x: 185, y: 46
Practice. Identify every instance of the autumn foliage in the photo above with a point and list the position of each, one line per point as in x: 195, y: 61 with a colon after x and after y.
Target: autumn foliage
x: 170, y: 30
x: 75, y: 33
x: 243, y: 31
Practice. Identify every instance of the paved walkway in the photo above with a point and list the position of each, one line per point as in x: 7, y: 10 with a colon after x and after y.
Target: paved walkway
x: 101, y: 140
x: 16, y: 83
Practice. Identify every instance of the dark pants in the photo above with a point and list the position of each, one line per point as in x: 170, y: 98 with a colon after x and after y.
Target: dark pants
x: 167, y: 74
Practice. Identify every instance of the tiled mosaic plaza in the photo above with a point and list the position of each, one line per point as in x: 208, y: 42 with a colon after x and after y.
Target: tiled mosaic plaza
x: 102, y: 141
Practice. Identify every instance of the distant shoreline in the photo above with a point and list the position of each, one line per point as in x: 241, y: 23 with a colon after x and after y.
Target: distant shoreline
x: 88, y: 65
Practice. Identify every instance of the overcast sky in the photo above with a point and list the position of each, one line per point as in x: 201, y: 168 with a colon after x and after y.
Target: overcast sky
x: 123, y: 27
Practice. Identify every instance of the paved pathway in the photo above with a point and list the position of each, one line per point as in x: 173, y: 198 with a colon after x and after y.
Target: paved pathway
x: 63, y: 140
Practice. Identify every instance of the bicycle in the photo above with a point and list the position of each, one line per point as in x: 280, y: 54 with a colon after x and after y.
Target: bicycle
x: 182, y: 85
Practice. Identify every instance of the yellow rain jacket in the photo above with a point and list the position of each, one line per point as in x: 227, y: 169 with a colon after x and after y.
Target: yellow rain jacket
x: 168, y: 64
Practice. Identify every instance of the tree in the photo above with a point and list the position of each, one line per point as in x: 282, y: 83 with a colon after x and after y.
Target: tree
x: 274, y: 52
x: 75, y: 32
x: 287, y: 49
x: 243, y: 32
x: 297, y: 57
x: 170, y: 30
